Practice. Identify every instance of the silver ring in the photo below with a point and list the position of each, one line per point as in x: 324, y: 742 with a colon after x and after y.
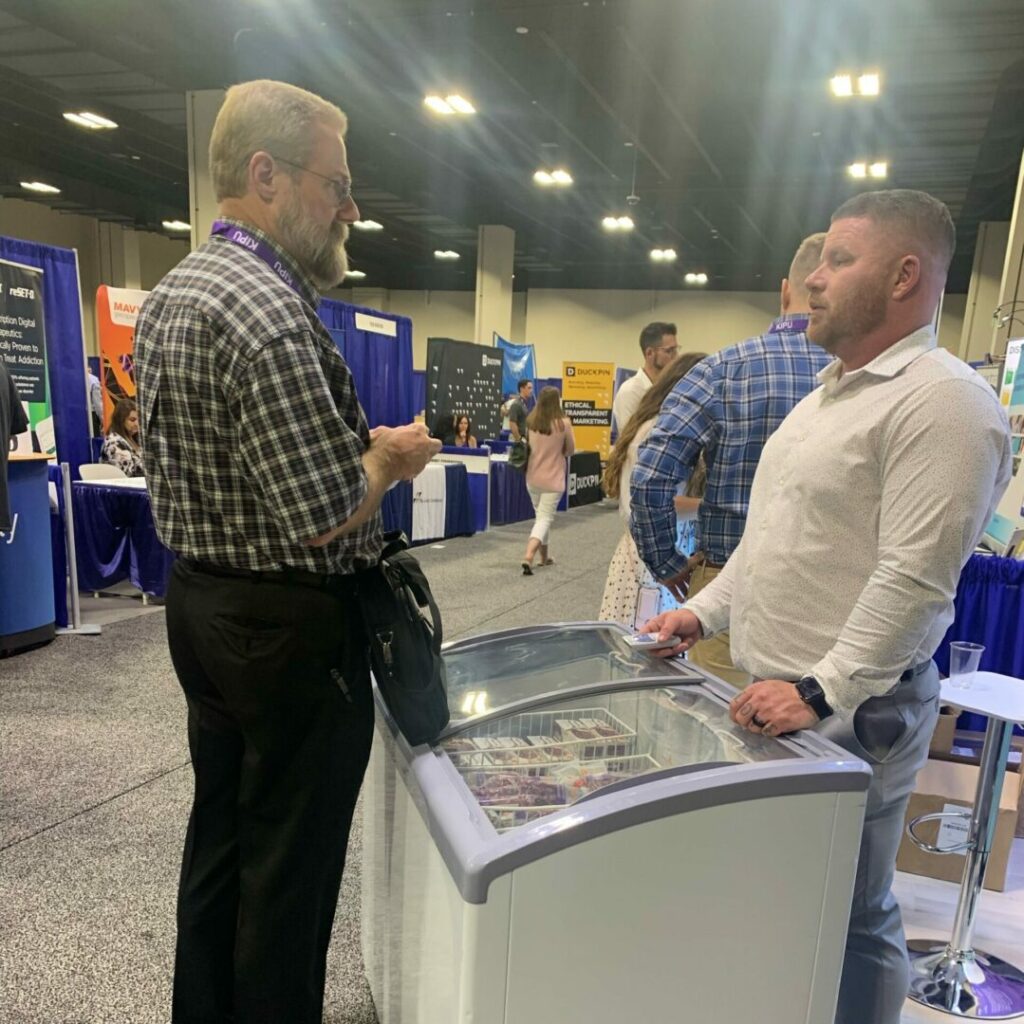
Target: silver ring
x: 757, y: 721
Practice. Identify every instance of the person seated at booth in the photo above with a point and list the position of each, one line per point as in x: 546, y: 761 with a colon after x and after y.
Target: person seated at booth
x: 121, y: 447
x: 464, y: 433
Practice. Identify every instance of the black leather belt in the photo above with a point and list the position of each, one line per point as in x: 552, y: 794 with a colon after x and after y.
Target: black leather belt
x: 333, y: 582
x: 916, y: 670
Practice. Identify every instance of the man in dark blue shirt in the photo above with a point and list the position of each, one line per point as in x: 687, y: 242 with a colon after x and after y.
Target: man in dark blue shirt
x: 726, y: 408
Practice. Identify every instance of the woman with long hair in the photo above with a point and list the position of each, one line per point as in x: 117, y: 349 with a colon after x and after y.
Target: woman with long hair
x: 627, y: 574
x: 551, y: 441
x: 121, y: 447
x: 464, y: 433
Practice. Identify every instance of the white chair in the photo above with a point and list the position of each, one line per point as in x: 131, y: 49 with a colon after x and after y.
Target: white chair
x: 101, y: 471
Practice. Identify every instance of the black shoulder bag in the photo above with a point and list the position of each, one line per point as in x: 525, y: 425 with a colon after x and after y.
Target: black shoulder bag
x: 403, y: 625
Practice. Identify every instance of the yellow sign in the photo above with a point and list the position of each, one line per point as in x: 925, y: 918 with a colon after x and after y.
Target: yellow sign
x: 587, y: 400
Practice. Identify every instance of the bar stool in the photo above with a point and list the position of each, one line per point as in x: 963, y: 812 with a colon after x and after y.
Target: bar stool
x: 954, y: 976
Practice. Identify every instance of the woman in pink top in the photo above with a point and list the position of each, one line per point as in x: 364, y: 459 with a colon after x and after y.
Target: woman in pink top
x: 551, y: 443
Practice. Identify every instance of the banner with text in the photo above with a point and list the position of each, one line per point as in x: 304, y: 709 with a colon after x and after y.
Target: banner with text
x: 465, y: 379
x: 23, y: 350
x: 587, y: 400
x: 117, y: 311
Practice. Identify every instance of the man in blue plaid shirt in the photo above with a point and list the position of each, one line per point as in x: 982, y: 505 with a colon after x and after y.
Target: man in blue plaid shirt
x: 726, y: 407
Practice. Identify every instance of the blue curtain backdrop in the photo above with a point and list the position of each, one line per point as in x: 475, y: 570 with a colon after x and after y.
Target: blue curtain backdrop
x: 381, y: 365
x: 520, y: 364
x: 65, y: 347
x: 989, y: 610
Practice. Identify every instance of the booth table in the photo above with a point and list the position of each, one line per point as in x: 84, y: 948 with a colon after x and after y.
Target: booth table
x: 954, y: 976
x: 116, y: 539
x: 26, y: 569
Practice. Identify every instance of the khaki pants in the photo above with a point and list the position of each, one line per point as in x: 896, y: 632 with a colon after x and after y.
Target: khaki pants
x: 713, y: 655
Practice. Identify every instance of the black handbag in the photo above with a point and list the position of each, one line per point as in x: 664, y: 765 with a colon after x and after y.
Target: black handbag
x: 403, y: 626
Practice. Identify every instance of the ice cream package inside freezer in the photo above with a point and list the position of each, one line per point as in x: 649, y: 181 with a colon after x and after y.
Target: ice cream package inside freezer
x: 537, y: 761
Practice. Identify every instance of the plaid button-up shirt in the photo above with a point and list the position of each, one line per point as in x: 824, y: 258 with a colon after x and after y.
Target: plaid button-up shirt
x: 252, y: 432
x: 727, y: 406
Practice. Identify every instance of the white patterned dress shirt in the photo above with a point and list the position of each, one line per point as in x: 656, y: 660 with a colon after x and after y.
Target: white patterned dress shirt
x: 866, y: 504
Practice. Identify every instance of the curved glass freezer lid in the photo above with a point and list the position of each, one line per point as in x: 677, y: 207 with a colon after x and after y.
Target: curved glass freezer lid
x: 486, y: 674
x: 527, y: 765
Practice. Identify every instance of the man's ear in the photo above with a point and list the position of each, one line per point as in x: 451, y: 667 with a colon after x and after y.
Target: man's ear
x: 262, y: 172
x: 785, y: 296
x: 908, y: 277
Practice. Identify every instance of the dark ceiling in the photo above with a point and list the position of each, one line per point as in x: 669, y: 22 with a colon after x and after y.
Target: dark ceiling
x: 716, y: 113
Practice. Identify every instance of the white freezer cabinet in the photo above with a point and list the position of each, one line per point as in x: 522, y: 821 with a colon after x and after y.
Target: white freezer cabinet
x: 592, y: 840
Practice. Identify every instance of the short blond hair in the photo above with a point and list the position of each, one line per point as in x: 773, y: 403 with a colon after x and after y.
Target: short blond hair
x: 264, y: 115
x: 807, y: 259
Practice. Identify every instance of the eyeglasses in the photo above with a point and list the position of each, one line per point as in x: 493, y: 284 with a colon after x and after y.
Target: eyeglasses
x: 342, y: 189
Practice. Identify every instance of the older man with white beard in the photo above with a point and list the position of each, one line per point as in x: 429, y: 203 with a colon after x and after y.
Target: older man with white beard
x: 866, y: 503
x: 266, y: 483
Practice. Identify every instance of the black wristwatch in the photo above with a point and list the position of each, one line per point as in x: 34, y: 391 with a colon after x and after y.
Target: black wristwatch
x: 813, y: 695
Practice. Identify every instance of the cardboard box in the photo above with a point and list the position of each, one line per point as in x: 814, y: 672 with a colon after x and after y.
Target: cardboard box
x: 945, y: 728
x: 947, y: 783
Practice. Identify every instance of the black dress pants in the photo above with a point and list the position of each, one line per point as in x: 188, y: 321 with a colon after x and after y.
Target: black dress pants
x: 280, y: 721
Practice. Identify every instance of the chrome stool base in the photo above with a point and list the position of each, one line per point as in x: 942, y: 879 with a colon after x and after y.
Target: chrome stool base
x: 968, y: 983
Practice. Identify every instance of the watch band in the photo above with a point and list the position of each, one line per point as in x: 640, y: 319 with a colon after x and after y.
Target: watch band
x: 813, y: 696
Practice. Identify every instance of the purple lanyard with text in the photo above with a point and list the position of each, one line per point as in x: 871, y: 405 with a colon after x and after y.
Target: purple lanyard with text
x: 789, y: 323
x: 247, y: 240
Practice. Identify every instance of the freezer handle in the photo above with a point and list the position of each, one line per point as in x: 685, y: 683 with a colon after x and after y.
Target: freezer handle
x: 663, y: 773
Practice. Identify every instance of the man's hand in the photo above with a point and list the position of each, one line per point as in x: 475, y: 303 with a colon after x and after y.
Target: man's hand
x: 405, y: 450
x: 772, y: 707
x: 679, y: 585
x: 681, y: 623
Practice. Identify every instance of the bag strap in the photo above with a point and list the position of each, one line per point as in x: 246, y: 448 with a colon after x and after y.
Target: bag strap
x: 413, y: 578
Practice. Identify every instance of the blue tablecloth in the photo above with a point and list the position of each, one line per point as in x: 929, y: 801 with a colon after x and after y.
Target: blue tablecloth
x: 115, y: 539
x: 510, y: 502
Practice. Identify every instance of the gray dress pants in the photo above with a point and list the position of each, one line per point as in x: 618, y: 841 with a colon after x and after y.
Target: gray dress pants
x: 891, y: 733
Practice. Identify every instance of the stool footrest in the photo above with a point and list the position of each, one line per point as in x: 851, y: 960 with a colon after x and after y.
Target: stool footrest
x: 938, y: 816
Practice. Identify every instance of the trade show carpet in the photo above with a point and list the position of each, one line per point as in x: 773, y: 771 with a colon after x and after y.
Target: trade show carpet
x: 95, y: 787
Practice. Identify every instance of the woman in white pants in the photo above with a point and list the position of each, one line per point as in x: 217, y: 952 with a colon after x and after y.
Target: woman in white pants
x: 551, y: 441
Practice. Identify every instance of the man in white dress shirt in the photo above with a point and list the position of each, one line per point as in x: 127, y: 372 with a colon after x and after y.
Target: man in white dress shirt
x: 660, y: 346
x: 866, y: 503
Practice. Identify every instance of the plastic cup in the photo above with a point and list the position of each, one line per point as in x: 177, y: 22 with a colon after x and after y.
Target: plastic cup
x: 964, y: 659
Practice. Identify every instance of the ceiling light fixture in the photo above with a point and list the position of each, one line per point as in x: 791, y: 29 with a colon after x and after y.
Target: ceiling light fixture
x: 367, y: 225
x: 559, y: 176
x: 86, y: 119
x: 356, y: 275
x: 663, y: 255
x: 879, y: 169
x: 692, y: 278
x: 460, y: 104
x: 618, y: 224
x: 841, y: 85
x: 446, y: 254
x: 869, y: 84
x: 857, y: 170
x: 438, y: 105
x: 177, y: 225
x: 40, y: 186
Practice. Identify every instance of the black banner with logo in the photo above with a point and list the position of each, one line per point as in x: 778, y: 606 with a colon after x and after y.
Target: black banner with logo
x: 465, y: 379
x: 22, y: 342
x: 584, y: 479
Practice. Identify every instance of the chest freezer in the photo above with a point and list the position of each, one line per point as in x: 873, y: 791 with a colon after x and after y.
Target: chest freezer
x: 593, y: 840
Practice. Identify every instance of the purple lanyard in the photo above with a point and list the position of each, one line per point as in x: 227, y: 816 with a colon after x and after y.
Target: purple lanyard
x: 789, y: 323
x: 247, y: 240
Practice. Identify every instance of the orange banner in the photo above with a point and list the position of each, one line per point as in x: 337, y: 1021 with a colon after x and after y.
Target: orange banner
x: 117, y: 310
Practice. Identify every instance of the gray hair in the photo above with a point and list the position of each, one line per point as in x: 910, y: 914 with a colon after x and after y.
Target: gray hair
x: 807, y: 259
x: 263, y: 115
x: 921, y: 219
